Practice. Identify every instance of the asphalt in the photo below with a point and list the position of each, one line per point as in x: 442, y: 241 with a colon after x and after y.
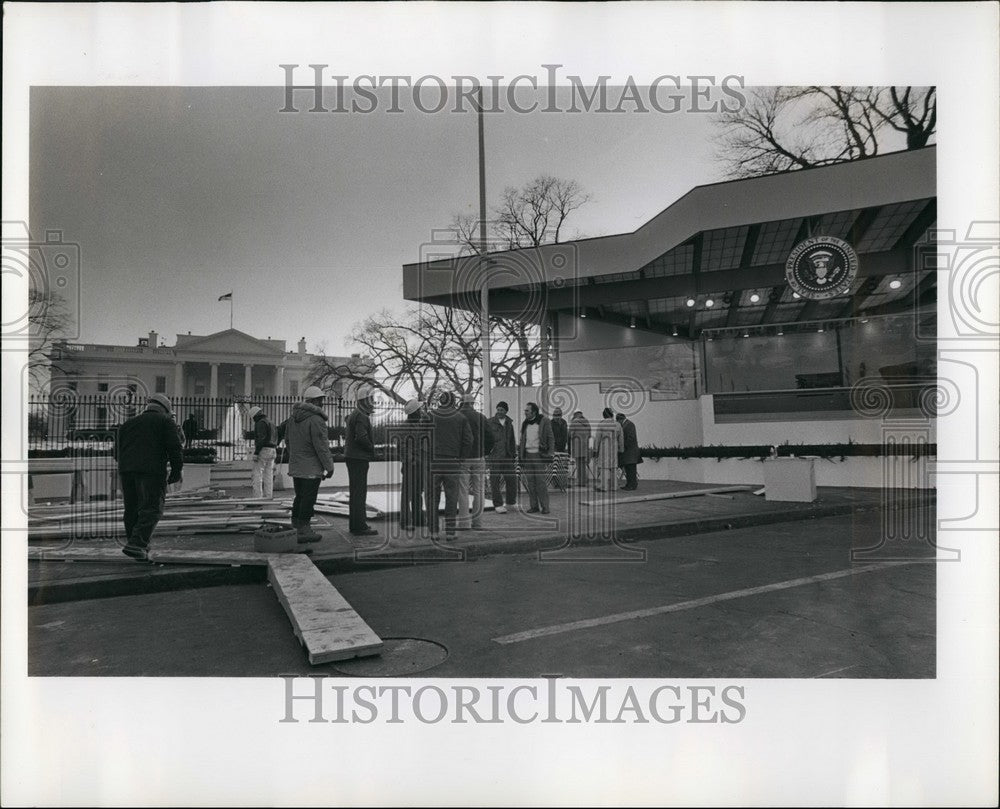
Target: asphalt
x: 573, y: 531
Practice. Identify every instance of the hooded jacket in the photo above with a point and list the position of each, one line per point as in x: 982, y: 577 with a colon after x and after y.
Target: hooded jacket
x: 308, y: 442
x: 504, y: 441
x: 359, y: 442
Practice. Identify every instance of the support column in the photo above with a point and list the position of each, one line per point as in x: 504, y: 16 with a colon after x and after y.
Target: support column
x: 213, y: 385
x: 178, y: 379
x: 279, y: 380
x: 247, y: 380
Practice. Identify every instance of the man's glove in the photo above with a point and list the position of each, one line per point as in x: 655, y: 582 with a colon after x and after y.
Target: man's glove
x: 174, y: 477
x: 327, y: 475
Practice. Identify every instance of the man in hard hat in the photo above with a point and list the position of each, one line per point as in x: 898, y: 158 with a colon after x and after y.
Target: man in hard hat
x: 265, y: 449
x: 309, y: 458
x: 359, y: 452
x: 144, y: 445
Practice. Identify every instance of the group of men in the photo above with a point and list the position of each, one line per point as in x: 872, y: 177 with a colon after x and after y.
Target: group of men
x: 453, y: 448
x: 450, y: 448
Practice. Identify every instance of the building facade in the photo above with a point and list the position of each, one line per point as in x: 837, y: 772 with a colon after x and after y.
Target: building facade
x: 227, y: 364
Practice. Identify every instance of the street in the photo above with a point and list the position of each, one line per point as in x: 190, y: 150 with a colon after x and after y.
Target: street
x: 782, y: 600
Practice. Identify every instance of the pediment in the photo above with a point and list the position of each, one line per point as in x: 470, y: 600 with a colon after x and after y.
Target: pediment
x: 231, y: 341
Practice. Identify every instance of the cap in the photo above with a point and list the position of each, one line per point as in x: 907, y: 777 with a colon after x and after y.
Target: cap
x: 161, y: 400
x: 504, y: 405
x: 313, y: 392
x: 255, y: 410
x: 411, y: 407
x: 468, y: 398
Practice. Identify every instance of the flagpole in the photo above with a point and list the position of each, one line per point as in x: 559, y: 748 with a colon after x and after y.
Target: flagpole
x: 230, y: 311
x: 485, y: 291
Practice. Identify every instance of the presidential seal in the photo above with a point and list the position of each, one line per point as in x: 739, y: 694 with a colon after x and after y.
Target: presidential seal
x: 821, y: 267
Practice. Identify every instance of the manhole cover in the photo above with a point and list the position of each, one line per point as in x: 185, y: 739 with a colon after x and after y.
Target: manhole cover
x: 400, y: 657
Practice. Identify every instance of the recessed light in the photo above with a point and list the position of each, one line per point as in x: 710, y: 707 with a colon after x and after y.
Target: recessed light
x: 895, y: 283
x: 709, y: 303
x: 796, y: 295
x: 754, y: 298
x: 690, y: 302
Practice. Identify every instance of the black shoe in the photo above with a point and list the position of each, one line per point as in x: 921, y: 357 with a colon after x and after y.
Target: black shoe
x: 531, y: 511
x: 365, y: 532
x: 544, y: 511
x: 136, y: 552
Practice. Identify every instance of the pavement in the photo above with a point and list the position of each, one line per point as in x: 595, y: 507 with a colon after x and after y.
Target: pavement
x: 621, y: 530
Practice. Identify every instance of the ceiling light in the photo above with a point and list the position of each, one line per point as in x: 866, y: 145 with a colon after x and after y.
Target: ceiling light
x: 746, y: 334
x: 796, y: 295
x: 583, y: 313
x: 895, y: 283
x: 781, y: 332
x: 754, y: 298
x: 864, y: 320
x: 690, y: 302
x: 631, y: 324
x: 709, y: 303
x: 819, y: 330
x: 674, y: 332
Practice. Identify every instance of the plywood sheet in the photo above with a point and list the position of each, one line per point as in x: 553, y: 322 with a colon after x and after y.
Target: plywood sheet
x: 324, y: 622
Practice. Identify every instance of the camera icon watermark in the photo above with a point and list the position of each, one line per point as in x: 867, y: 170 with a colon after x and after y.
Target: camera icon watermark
x: 41, y: 287
x: 972, y: 265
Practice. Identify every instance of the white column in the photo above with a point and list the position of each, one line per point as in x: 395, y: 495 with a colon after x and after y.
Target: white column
x: 247, y: 380
x: 178, y: 379
x: 279, y: 380
x: 213, y: 385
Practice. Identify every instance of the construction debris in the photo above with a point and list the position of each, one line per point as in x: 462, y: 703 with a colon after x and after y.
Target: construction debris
x: 665, y: 495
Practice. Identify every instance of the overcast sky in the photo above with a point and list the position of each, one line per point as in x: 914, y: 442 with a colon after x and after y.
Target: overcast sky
x: 177, y: 195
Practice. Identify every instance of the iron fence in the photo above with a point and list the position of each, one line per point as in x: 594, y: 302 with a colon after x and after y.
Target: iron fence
x: 219, y: 429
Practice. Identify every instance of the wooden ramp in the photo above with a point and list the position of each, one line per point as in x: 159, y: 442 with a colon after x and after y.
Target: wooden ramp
x: 105, y: 555
x: 323, y: 621
x: 666, y: 495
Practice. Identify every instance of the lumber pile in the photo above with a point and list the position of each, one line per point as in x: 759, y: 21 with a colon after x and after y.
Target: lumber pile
x: 185, y: 513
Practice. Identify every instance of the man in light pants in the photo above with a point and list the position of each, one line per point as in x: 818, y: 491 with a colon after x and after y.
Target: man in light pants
x: 265, y: 442
x: 472, y: 474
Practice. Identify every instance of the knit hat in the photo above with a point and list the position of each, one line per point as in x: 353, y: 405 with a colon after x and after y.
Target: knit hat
x: 313, y: 392
x: 504, y: 405
x: 411, y: 407
x: 161, y: 400
x: 255, y: 410
x: 557, y: 411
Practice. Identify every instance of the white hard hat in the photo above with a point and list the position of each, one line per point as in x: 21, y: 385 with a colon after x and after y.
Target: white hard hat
x: 255, y: 410
x: 313, y: 392
x: 411, y: 406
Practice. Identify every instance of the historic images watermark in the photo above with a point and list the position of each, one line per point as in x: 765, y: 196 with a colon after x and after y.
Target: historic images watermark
x: 665, y: 94
x: 524, y: 703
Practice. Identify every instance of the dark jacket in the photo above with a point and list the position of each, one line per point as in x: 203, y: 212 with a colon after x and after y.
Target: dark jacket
x: 452, y: 434
x: 265, y: 434
x: 146, y: 443
x: 560, y: 433
x: 413, y: 438
x: 504, y: 441
x: 308, y: 440
x: 630, y: 454
x: 482, y: 436
x: 359, y: 442
x: 579, y: 437
x: 546, y: 443
x: 191, y: 426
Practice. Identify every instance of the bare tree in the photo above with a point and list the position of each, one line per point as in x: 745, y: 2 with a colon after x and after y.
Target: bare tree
x: 427, y: 349
x: 49, y: 320
x: 782, y: 129
x: 526, y: 217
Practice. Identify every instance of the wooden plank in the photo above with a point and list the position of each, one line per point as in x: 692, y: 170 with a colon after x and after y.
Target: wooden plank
x: 164, y: 556
x: 322, y: 619
x: 666, y: 495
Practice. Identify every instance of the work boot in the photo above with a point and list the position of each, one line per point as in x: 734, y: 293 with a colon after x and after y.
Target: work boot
x: 306, y: 534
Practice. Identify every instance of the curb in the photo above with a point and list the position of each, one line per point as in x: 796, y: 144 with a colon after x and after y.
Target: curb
x: 160, y: 580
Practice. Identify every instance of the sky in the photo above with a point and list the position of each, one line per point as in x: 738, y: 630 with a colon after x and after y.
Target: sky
x: 177, y: 195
